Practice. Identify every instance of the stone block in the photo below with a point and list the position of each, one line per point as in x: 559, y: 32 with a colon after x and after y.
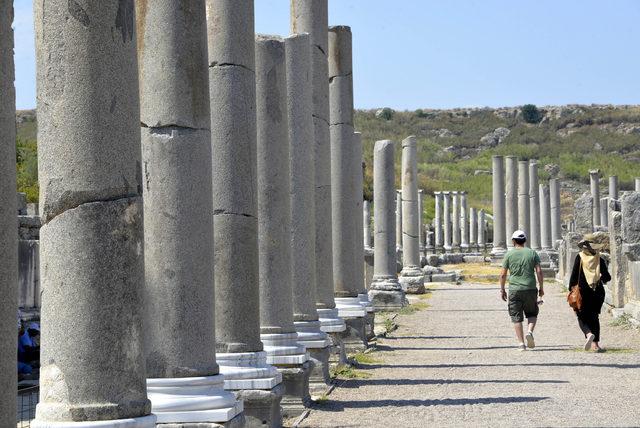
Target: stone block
x: 444, y: 277
x: 631, y: 217
x: 354, y: 337
x: 583, y: 214
x: 320, y: 378
x: 262, y: 407
x: 296, y: 389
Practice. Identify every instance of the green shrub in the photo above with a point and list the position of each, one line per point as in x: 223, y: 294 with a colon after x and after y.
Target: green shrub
x: 531, y: 114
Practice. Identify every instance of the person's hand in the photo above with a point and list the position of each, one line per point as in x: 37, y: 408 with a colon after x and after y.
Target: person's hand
x: 541, y: 292
x: 503, y: 294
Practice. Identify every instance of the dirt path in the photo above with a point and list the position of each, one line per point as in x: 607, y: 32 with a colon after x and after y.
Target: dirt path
x: 455, y: 364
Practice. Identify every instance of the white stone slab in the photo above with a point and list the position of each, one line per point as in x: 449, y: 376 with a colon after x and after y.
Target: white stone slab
x: 143, y: 422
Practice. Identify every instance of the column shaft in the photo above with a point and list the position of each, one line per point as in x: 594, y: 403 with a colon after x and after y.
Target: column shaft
x: 594, y: 177
x: 523, y: 197
x: 455, y: 196
x: 545, y: 218
x: 398, y: 219
x: 448, y: 242
x: 366, y: 220
x: 482, y: 238
x: 613, y: 189
x: 499, y: 228
x: 473, y: 228
x: 534, y: 206
x: 511, y: 196
x: 464, y: 222
x: 421, y: 239
x: 438, y: 221
x: 556, y: 221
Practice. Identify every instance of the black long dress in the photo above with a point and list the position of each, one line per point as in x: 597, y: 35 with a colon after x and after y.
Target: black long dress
x: 592, y: 300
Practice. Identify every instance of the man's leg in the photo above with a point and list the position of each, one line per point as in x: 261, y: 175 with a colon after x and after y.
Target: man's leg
x: 532, y: 323
x: 519, y: 332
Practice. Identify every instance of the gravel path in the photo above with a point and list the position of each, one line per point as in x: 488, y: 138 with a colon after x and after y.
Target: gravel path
x: 455, y: 364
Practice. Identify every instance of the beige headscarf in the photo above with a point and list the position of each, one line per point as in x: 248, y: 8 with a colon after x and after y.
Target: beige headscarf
x: 590, y: 262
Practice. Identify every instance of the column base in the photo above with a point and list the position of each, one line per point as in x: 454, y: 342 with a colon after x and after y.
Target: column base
x: 192, y: 400
x: 262, y: 407
x: 296, y: 389
x: 338, y: 348
x: 237, y: 422
x: 284, y: 349
x: 330, y: 321
x: 369, y: 316
x: 388, y: 300
x: 318, y: 345
x: 350, y: 307
x: 141, y: 422
x: 354, y: 338
x: 412, y: 280
x: 320, y: 377
x: 497, y: 253
x: 247, y: 370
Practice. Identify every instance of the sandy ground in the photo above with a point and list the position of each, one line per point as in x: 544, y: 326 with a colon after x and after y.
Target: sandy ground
x: 455, y: 364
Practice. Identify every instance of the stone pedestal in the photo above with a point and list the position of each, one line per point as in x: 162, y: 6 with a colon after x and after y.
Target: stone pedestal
x: 8, y: 223
x: 499, y: 227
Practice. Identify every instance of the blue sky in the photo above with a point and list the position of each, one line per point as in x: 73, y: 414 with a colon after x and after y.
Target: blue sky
x: 412, y: 54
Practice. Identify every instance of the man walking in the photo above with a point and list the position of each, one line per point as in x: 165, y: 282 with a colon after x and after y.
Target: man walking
x: 523, y: 266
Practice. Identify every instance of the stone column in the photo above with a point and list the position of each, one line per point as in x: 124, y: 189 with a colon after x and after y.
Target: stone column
x: 398, y: 220
x: 499, y: 228
x: 182, y: 372
x: 473, y: 229
x: 386, y: 292
x: 421, y: 225
x: 240, y: 354
x: 482, y: 238
x: 545, y: 218
x: 594, y: 176
x: 312, y: 17
x: 303, y: 210
x: 604, y: 209
x: 366, y: 219
x: 556, y: 221
x: 455, y: 215
x: 8, y: 222
x: 511, y: 197
x: 523, y: 198
x: 274, y: 227
x: 534, y: 206
x: 448, y: 242
x: 91, y: 240
x: 637, y: 184
x: 438, y: 222
x: 464, y: 222
x: 613, y: 189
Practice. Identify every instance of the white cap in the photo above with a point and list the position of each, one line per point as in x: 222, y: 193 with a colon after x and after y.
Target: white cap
x: 519, y: 234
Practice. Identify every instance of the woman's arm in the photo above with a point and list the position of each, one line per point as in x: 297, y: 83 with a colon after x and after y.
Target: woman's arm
x: 575, y: 273
x: 605, y: 276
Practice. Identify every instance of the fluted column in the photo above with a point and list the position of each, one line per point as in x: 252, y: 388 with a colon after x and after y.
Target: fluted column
x: 534, y: 206
x: 594, y: 178
x: 545, y: 218
x: 523, y: 198
x: 511, y: 197
x: 464, y: 222
x: 386, y: 292
x: 448, y: 241
x: 499, y: 228
x: 178, y: 217
x: 438, y: 222
x: 91, y: 239
x: 556, y: 221
x: 8, y: 222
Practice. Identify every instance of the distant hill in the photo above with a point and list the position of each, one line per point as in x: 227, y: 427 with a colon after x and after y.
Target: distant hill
x: 455, y: 146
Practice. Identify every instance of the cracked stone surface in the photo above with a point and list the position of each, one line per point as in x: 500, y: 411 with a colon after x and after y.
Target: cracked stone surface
x: 454, y: 364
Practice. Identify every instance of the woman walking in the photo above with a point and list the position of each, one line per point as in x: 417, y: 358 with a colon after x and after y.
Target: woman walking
x: 589, y: 273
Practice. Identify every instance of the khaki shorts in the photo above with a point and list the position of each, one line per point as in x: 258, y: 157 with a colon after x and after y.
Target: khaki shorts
x: 523, y: 301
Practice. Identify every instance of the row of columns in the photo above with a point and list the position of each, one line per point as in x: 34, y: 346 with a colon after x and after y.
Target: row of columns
x: 457, y: 227
x: 254, y: 167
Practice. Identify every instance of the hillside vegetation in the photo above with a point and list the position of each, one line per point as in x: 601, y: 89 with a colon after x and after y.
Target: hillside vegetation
x: 455, y: 146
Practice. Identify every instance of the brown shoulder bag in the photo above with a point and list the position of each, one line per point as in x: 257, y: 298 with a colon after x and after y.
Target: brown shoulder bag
x: 574, y: 298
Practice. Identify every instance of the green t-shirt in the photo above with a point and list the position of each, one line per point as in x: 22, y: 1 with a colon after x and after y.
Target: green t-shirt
x: 521, y: 263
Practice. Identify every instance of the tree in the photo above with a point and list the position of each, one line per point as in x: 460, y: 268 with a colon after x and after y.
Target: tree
x: 531, y: 114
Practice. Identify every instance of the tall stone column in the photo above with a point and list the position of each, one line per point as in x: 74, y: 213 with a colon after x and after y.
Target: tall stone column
x: 473, y: 229
x: 464, y: 222
x: 511, y: 196
x: 8, y: 221
x: 613, y: 189
x: 240, y: 352
x: 421, y: 225
x: 398, y: 220
x: 604, y: 209
x: 411, y: 277
x: 366, y: 226
x: 346, y: 165
x: 91, y: 239
x: 524, y: 222
x: 545, y: 218
x: 594, y: 177
x: 499, y: 228
x: 311, y: 16
x: 455, y: 215
x: 303, y: 210
x: 182, y: 372
x: 556, y: 221
x: 274, y: 227
x: 448, y: 241
x: 637, y: 184
x: 438, y: 222
x: 482, y: 229
x: 534, y: 206
x: 386, y: 292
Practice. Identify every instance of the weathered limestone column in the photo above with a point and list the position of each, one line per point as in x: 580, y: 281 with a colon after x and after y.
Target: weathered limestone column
x: 473, y: 229
x: 311, y: 16
x: 545, y: 218
x: 274, y: 227
x: 183, y: 380
x: 613, y: 189
x: 499, y: 228
x: 511, y: 197
x: 524, y: 222
x: 303, y: 210
x: 386, y: 293
x: 594, y: 176
x: 482, y: 238
x: 464, y: 222
x: 604, y: 209
x: 448, y: 242
x: 534, y: 206
x: 411, y: 277
x: 366, y: 219
x: 637, y: 184
x: 421, y: 225
x: 398, y: 220
x: 8, y: 221
x: 240, y: 354
x: 91, y: 240
x: 438, y: 222
x: 556, y: 221
x: 455, y: 215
